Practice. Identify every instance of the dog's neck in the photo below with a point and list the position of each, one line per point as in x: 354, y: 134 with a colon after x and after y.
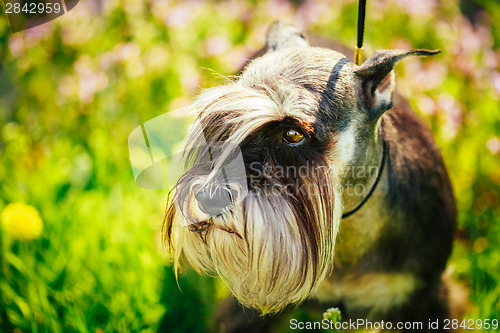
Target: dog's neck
x: 361, y: 176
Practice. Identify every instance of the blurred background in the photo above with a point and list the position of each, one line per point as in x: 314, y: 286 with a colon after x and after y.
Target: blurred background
x: 80, y: 242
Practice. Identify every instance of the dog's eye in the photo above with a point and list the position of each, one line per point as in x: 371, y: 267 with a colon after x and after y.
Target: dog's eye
x: 293, y: 136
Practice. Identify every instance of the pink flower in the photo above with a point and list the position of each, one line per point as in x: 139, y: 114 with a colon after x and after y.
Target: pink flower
x: 425, y: 76
x: 179, y: 16
x: 490, y: 59
x: 237, y: 8
x: 471, y: 39
x: 216, y: 46
x: 427, y: 105
x: 35, y: 34
x: 17, y: 45
x: 493, y: 145
x: 452, y: 112
x: 310, y: 12
x: 417, y: 6
x: 279, y: 8
x: 495, y: 80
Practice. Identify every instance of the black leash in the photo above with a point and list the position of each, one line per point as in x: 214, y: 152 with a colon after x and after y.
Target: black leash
x: 358, y: 52
x: 381, y: 170
x: 358, y: 60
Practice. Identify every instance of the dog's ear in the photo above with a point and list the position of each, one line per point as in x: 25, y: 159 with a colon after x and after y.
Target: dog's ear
x: 281, y: 35
x: 377, y: 78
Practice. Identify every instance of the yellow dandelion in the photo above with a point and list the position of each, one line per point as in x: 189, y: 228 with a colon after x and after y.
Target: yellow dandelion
x: 21, y: 221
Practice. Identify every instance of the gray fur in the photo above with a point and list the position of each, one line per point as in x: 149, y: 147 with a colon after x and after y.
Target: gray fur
x: 388, y: 255
x: 281, y: 36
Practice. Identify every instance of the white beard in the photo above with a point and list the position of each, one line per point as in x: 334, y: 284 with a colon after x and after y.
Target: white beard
x: 272, y: 249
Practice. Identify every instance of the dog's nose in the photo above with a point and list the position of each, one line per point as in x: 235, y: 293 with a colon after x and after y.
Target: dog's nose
x: 213, y: 201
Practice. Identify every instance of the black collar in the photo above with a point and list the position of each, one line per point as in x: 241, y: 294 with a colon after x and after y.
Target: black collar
x: 381, y: 170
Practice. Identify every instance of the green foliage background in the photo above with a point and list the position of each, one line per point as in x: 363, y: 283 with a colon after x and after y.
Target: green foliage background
x: 72, y: 90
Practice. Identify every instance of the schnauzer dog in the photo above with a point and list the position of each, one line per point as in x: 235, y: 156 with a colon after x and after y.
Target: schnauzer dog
x: 307, y: 180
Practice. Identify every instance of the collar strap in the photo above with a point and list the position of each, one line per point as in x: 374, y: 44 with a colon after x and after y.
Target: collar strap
x: 381, y: 170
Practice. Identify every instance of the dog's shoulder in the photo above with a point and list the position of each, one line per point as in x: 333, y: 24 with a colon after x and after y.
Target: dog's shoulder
x: 420, y: 193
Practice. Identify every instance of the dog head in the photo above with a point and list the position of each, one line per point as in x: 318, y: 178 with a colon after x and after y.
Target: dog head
x: 262, y: 200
